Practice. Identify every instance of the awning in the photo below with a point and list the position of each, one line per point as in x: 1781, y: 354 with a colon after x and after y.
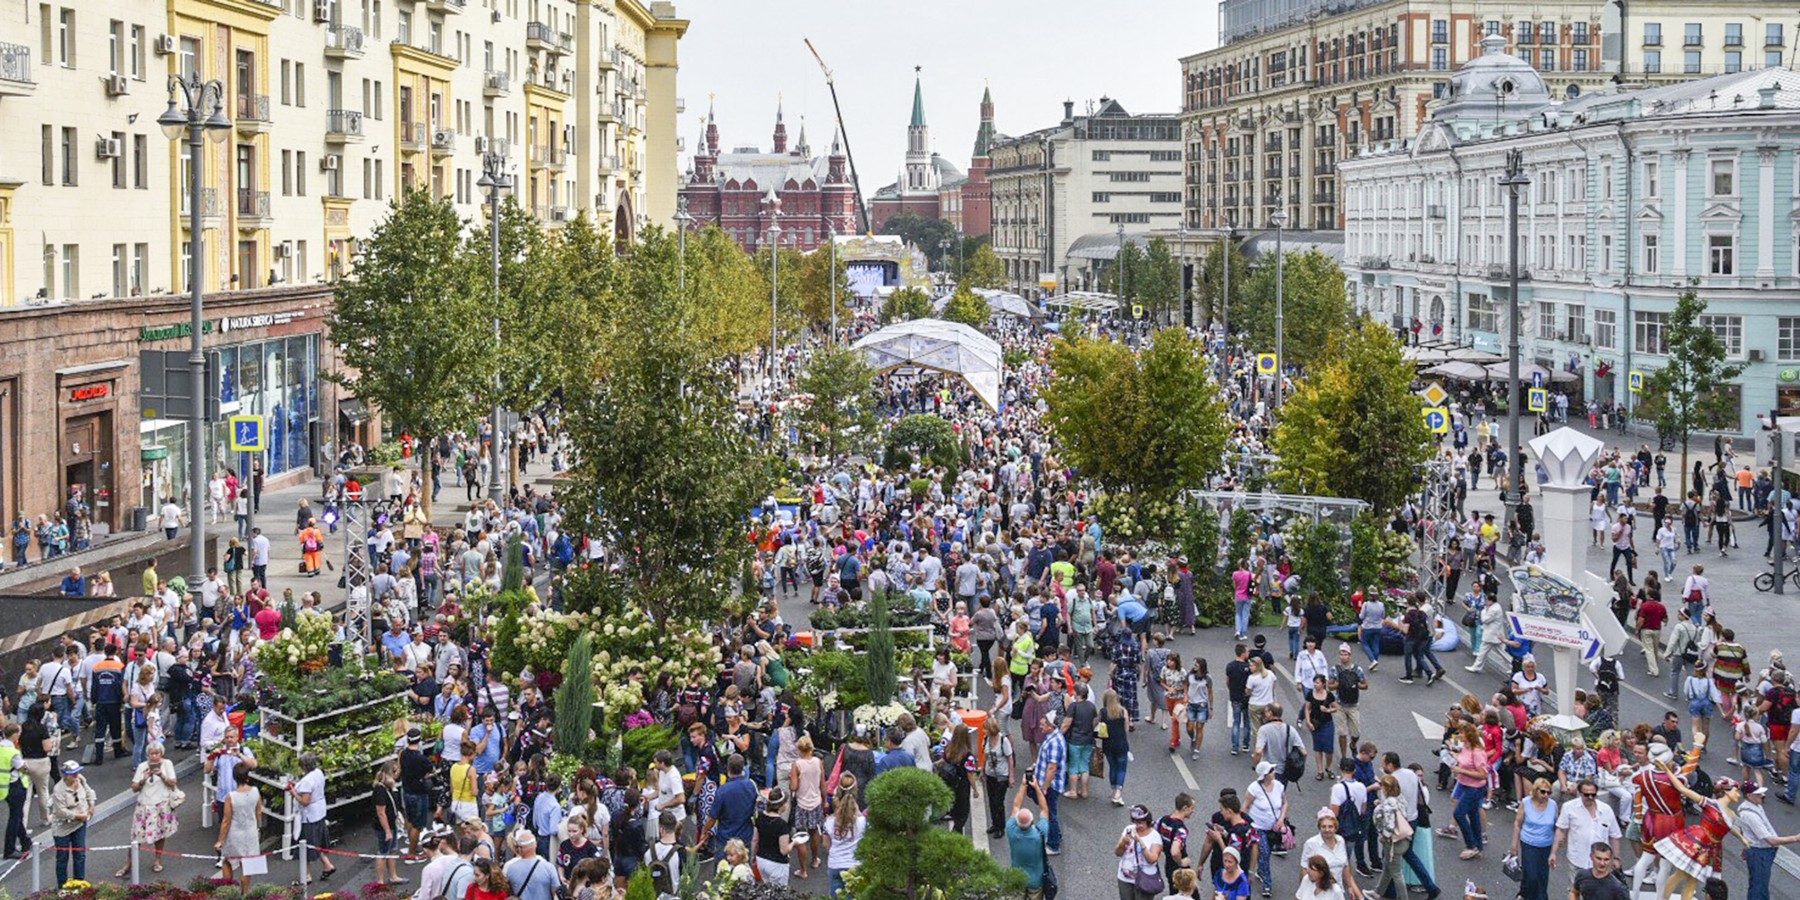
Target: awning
x: 355, y: 410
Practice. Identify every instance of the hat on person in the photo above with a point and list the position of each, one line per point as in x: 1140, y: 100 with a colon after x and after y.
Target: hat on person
x: 71, y: 767
x: 1759, y: 790
x: 1325, y: 812
x: 1140, y: 813
x: 1050, y: 717
x: 1232, y: 852
x: 1264, y: 768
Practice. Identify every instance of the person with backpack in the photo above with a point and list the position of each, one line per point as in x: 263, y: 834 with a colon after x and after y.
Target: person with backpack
x: 1278, y: 744
x: 1349, y: 800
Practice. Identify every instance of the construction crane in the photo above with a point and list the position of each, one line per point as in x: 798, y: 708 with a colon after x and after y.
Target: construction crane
x: 862, y: 211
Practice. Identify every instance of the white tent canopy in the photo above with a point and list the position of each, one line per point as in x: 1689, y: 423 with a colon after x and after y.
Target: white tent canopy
x: 1000, y: 302
x: 948, y: 347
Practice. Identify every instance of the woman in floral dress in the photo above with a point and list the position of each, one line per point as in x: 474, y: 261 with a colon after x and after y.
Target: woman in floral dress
x: 153, y: 822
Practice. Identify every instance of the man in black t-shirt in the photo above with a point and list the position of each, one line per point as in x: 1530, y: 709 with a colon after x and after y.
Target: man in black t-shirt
x: 1237, y: 680
x: 1602, y: 882
x: 1173, y: 829
x: 415, y: 787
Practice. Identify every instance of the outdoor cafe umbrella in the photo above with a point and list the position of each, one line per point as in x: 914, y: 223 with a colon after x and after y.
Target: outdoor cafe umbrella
x: 1461, y: 371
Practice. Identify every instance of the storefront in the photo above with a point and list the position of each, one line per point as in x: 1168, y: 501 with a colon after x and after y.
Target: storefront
x: 74, y: 418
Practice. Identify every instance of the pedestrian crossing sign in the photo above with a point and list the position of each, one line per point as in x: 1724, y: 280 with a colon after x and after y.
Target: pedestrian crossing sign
x: 1266, y: 364
x: 1137, y: 310
x: 1438, y: 421
x: 1537, y: 400
x: 249, y: 434
x: 1636, y: 381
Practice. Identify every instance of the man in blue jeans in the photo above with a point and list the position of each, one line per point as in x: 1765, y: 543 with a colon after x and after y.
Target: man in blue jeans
x: 1237, y: 691
x: 1368, y: 626
x: 1050, y: 777
x: 1416, y: 627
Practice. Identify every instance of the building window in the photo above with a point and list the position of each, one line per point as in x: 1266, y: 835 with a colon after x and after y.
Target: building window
x: 1546, y: 320
x: 1165, y: 197
x: 1649, y: 332
x: 1578, y: 34
x: 118, y: 161
x: 1653, y: 34
x: 1690, y: 62
x: 69, y: 158
x: 1651, y: 171
x: 1440, y: 31
x: 1606, y: 253
x: 1547, y: 60
x: 1546, y: 32
x: 1652, y: 61
x: 1102, y: 197
x: 140, y: 256
x: 1523, y: 32
x: 1651, y: 246
x: 1130, y: 218
x: 1440, y: 59
x: 1772, y: 35
x: 1491, y: 26
x: 1724, y: 173
x: 115, y: 48
x: 134, y: 52
x: 1721, y: 254
x: 1730, y: 330
x: 1606, y: 329
x: 140, y: 162
x: 71, y: 271
x: 1165, y: 156
x: 1692, y: 35
x: 65, y: 38
x: 1579, y: 63
x: 1574, y: 321
x: 1484, y: 315
x: 1787, y: 338
x: 1772, y: 59
x: 1128, y: 176
x: 1734, y: 34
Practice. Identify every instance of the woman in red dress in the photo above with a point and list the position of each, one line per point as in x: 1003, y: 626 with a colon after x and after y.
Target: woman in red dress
x: 1693, y: 856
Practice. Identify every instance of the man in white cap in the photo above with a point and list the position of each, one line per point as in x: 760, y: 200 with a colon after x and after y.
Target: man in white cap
x: 1760, y: 840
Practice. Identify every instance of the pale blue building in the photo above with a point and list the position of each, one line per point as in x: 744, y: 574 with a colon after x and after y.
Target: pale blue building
x: 1633, y: 195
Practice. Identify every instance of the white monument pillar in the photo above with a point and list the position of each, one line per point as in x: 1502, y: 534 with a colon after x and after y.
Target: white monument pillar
x: 1567, y: 456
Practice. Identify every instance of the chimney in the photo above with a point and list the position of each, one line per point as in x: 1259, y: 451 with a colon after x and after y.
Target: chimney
x: 1767, y: 95
x: 1068, y: 112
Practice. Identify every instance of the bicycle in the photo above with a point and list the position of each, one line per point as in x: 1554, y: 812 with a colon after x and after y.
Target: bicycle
x: 1765, y: 581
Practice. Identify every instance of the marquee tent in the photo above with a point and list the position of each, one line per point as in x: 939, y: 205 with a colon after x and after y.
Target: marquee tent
x: 1001, y: 302
x: 948, y: 347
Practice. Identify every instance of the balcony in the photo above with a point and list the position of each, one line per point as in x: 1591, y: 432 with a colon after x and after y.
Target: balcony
x: 446, y: 6
x: 343, y: 42
x: 609, y: 111
x: 253, y: 209
x: 554, y: 215
x: 1324, y: 197
x: 209, y: 207
x: 253, y: 113
x: 539, y: 36
x: 547, y: 156
x: 609, y: 163
x: 680, y: 105
x: 496, y: 83
x: 1272, y: 145
x: 1374, y: 262
x: 15, y: 71
x: 342, y: 125
x: 443, y: 141
x: 609, y: 58
x: 413, y: 136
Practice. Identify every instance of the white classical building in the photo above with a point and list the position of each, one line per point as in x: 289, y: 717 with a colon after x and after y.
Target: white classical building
x: 1633, y: 196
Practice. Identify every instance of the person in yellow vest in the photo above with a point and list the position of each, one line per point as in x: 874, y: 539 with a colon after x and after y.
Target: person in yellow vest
x: 151, y: 579
x: 1024, y: 650
x: 15, y: 786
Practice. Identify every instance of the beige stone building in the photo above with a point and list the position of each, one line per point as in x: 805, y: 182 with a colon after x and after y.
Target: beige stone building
x: 337, y: 107
x: 1295, y: 89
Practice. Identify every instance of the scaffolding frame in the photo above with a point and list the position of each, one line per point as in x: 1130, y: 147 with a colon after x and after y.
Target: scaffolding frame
x: 1437, y: 522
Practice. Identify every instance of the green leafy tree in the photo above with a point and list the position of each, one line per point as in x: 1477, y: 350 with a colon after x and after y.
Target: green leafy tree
x: 968, y: 307
x: 1209, y: 282
x: 1318, y: 559
x: 1688, y: 393
x: 904, y: 856
x: 844, y: 413
x: 579, y: 302
x: 1314, y: 306
x: 1150, y: 424
x: 1160, y: 282
x: 904, y: 305
x: 1125, y: 277
x: 813, y: 286
x: 664, y: 471
x: 931, y: 440
x: 407, y: 324
x: 1353, y: 426
x: 512, y: 573
x: 730, y: 295
x: 926, y: 234
x: 982, y: 268
x: 575, y: 696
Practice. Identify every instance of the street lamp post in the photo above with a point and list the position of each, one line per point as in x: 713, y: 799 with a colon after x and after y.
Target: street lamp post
x: 1278, y: 219
x: 1515, y: 182
x: 494, y: 180
x: 1181, y: 274
x: 189, y: 99
x: 682, y: 219
x: 944, y: 254
x: 831, y: 237
x: 774, y: 203
x: 1225, y: 302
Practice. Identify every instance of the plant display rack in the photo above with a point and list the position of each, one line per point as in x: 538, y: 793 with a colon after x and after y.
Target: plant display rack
x: 292, y: 734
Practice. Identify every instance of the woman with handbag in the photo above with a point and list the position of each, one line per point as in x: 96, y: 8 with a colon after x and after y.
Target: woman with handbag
x: 1140, y: 857
x: 997, y: 773
x: 153, y: 822
x: 1534, y: 836
x: 1268, y: 812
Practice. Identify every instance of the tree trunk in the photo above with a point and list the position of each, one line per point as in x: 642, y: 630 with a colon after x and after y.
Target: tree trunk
x: 1684, y: 467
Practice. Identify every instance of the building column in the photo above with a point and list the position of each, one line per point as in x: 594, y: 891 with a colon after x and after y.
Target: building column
x: 1677, y: 250
x: 1765, y: 211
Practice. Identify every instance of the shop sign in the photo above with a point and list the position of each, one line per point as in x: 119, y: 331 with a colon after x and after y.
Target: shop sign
x: 86, y: 392
x: 1556, y: 633
x: 263, y: 320
x: 1788, y: 375
x: 152, y: 333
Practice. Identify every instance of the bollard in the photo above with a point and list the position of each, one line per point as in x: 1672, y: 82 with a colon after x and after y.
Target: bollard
x: 136, y: 873
x: 304, y: 879
x: 37, y: 875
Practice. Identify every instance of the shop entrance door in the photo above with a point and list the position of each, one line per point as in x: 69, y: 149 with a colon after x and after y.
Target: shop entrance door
x: 87, y: 464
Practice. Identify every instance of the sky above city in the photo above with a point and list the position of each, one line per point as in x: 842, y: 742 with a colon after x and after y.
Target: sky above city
x: 1033, y: 54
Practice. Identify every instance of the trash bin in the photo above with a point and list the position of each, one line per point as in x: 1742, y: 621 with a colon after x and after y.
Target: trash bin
x: 975, y: 719
x: 140, y: 518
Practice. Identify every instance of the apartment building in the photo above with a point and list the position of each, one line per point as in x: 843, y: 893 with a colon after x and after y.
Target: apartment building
x: 337, y: 107
x: 1297, y: 86
x: 1086, y: 177
x: 1634, y: 195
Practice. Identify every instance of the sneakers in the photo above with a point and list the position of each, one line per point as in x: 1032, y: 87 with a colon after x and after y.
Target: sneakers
x: 1053, y: 851
x: 1375, y: 665
x: 1195, y: 754
x: 1406, y: 679
x: 1474, y: 668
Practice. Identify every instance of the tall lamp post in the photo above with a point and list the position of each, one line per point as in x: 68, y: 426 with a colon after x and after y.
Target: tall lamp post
x: 1181, y: 273
x: 1279, y: 219
x: 197, y: 110
x: 831, y: 239
x: 682, y: 219
x: 944, y: 254
x: 1225, y: 301
x: 494, y: 180
x: 1515, y: 183
x: 774, y: 204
